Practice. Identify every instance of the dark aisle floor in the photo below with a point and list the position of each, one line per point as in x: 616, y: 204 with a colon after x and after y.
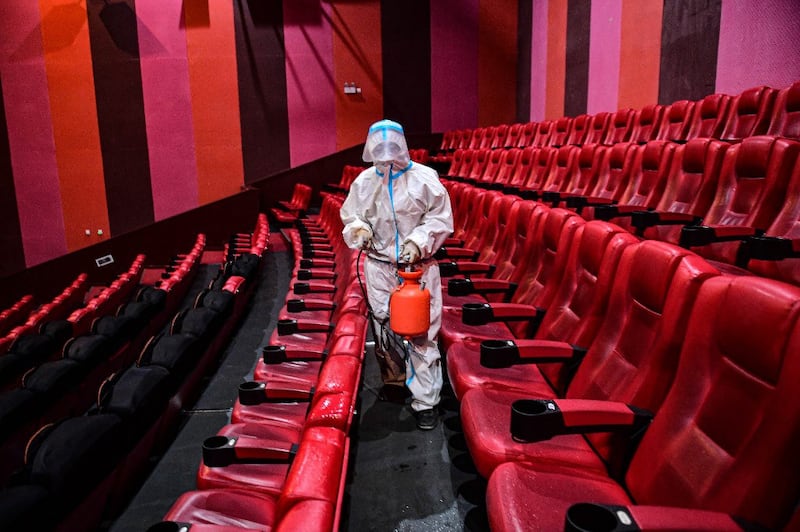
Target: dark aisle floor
x: 400, y: 479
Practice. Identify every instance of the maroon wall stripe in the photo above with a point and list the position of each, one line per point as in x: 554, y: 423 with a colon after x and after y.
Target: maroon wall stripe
x: 120, y: 114
x: 576, y: 91
x: 689, y: 44
x: 524, y: 36
x: 261, y: 65
x: 406, y: 47
x: 12, y: 257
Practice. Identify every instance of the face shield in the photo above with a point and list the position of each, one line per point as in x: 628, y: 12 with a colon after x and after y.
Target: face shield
x: 386, y: 145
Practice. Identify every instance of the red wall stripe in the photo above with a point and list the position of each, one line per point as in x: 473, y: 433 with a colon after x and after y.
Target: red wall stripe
x: 454, y: 64
x: 497, y: 61
x: 556, y: 58
x: 168, y: 106
x: 70, y: 79
x: 310, y: 83
x: 539, y: 61
x: 30, y: 133
x: 640, y: 47
x: 356, y: 58
x: 211, y: 45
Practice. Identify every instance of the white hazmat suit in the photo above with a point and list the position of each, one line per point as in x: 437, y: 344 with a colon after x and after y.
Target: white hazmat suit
x: 400, y: 212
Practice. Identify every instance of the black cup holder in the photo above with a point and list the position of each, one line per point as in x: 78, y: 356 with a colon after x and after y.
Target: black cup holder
x: 306, y: 263
x: 448, y: 269
x: 499, y: 353
x: 459, y: 287
x: 274, y: 354
x: 589, y: 517
x: 251, y: 393
x: 476, y: 313
x: 529, y: 419
x: 218, y: 451
x: 295, y: 305
x: 169, y: 526
x: 304, y: 275
x: 287, y: 327
x: 302, y: 288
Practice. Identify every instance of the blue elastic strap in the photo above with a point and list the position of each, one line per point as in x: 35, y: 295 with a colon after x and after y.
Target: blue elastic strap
x: 411, y: 363
x: 392, y: 177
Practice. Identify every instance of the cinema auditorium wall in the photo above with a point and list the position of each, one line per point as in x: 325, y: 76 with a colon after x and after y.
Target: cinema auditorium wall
x: 123, y: 113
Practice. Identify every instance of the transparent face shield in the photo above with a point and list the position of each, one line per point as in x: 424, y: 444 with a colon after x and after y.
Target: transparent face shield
x: 386, y: 145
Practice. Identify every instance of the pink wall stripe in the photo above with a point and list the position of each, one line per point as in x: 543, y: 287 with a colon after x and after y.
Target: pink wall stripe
x: 310, y: 83
x: 604, y: 48
x: 758, y: 44
x: 30, y: 132
x: 538, y: 61
x: 454, y: 64
x: 167, y: 106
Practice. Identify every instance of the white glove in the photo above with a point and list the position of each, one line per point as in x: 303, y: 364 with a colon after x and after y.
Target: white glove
x: 410, y: 252
x: 363, y: 237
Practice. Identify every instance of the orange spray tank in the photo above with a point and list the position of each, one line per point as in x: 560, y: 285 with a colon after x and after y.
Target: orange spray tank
x: 410, y: 306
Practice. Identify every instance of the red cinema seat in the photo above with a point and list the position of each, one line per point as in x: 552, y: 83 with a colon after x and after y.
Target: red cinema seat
x: 579, y: 130
x: 490, y: 170
x: 512, y: 139
x: 527, y: 135
x: 721, y: 452
x: 506, y: 168
x: 710, y: 115
x: 619, y: 127
x: 689, y: 190
x: 785, y: 121
x: 597, y: 128
x: 676, y: 120
x: 544, y: 130
x: 750, y: 114
x: 561, y: 169
x: 587, y: 167
x: 542, y: 159
x: 499, y: 136
x: 750, y: 192
x: 480, y: 160
x: 632, y: 358
x: 612, y: 177
x: 574, y: 314
x: 560, y: 131
x: 645, y: 123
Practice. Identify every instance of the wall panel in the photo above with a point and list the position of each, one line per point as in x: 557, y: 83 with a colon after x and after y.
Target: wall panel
x: 211, y: 45
x: 261, y: 66
x: 454, y: 64
x: 539, y: 55
x: 29, y: 128
x: 357, y: 59
x: 167, y: 99
x: 70, y: 80
x: 577, y: 58
x: 310, y: 83
x: 640, y: 52
x: 556, y: 58
x: 604, y: 56
x: 497, y: 61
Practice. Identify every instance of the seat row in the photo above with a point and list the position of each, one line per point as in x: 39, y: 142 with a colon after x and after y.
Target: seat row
x: 281, y: 462
x: 737, y: 204
x: 607, y: 381
x: 81, y: 464
x: 756, y: 111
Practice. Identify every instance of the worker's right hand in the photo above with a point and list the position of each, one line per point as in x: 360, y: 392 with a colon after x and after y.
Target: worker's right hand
x: 363, y: 238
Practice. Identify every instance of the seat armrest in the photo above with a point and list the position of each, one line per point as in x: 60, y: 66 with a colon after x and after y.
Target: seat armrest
x: 313, y: 288
x: 701, y: 235
x: 315, y: 273
x: 768, y: 248
x: 541, y: 419
x: 608, y: 212
x: 483, y: 313
x: 317, y: 263
x: 455, y: 253
x: 256, y: 393
x: 587, y: 201
x: 221, y: 451
x: 589, y: 516
x: 466, y: 268
x: 277, y: 354
x: 302, y: 305
x: 643, y: 219
x: 465, y: 287
x: 507, y: 353
x: 292, y: 326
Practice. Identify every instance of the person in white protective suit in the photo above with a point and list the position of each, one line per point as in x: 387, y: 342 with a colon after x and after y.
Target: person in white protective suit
x: 400, y: 213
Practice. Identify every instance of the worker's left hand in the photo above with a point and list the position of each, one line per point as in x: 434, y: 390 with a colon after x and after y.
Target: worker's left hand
x: 410, y: 252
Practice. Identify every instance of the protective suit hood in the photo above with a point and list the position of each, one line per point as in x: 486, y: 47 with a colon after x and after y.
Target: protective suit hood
x: 386, y: 146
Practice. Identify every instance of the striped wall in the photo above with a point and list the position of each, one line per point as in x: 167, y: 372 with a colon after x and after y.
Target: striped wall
x: 118, y: 114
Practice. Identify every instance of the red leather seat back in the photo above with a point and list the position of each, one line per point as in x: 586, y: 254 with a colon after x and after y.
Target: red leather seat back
x: 690, y: 185
x: 587, y: 167
x: 481, y: 159
x: 750, y: 113
x: 597, y: 128
x: 676, y: 120
x: 476, y: 138
x: 786, y: 224
x: 496, y: 225
x: 525, y: 218
x: 519, y: 174
x: 579, y: 305
x: 645, y: 123
x: 648, y: 176
x: 457, y: 164
x: 785, y: 121
x: 495, y: 158
x: 577, y: 133
x: 619, y: 127
x: 634, y: 355
x: 709, y: 116
x: 614, y: 170
x: 562, y: 170
x: 508, y: 165
x: 544, y: 159
x: 544, y: 264
x: 527, y: 135
x: 560, y: 132
x: 726, y: 436
x: 499, y: 136
x: 543, y: 132
x: 751, y: 188
x: 482, y: 212
x: 513, y: 136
